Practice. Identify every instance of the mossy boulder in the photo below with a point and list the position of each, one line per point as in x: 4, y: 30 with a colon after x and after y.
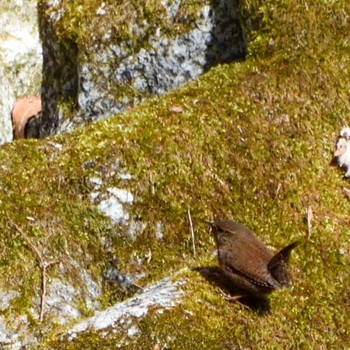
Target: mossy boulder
x: 251, y: 141
x: 102, y: 58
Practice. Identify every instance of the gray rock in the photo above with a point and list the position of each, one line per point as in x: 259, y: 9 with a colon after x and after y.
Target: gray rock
x: 119, y: 73
x: 20, y: 58
x: 112, y: 208
x: 6, y: 297
x: 163, y: 295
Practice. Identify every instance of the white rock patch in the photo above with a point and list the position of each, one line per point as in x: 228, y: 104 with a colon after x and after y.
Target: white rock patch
x: 164, y: 294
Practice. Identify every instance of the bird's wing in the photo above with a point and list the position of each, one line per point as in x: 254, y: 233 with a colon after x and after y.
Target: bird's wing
x: 253, y: 269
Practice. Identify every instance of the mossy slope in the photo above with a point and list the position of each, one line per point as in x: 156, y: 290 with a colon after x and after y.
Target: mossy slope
x: 253, y: 143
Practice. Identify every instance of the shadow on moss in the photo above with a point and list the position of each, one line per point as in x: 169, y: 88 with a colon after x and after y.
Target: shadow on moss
x: 215, y: 277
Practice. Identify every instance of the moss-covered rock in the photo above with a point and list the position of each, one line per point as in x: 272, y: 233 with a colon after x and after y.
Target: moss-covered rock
x: 253, y: 142
x: 102, y: 58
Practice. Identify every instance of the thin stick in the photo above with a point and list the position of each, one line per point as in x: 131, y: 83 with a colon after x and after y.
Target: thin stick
x: 192, y: 232
x: 28, y: 240
x: 346, y: 192
x: 43, y: 293
x: 309, y: 219
x: 42, y: 264
x: 43, y: 287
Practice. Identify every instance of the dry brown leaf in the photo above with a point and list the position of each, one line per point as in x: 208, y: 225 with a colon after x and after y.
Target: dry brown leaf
x: 176, y: 109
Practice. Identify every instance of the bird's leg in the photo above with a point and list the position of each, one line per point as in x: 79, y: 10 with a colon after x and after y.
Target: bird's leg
x: 232, y: 298
x: 235, y: 298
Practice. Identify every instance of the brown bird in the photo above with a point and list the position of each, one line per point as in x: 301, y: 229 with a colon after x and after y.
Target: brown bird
x: 247, y: 262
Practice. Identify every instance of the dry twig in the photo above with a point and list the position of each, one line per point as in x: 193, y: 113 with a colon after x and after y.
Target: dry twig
x: 346, y: 192
x: 43, y: 265
x: 309, y: 219
x: 192, y: 232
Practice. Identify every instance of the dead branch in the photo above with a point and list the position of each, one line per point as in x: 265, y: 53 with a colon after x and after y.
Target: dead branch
x: 346, y: 192
x: 43, y: 265
x: 192, y: 232
x: 309, y: 219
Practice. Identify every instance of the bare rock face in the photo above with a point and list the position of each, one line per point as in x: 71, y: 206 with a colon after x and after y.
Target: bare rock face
x: 86, y: 80
x: 6, y: 101
x: 20, y: 58
x: 123, y: 317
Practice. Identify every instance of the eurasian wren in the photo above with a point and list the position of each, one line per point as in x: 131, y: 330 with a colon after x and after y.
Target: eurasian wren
x: 247, y: 262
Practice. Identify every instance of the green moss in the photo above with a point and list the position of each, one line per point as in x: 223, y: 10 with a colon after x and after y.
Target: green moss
x: 253, y: 143
x: 290, y: 30
x: 81, y: 23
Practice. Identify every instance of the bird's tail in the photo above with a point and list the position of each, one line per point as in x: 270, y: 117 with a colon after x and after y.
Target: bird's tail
x: 278, y: 264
